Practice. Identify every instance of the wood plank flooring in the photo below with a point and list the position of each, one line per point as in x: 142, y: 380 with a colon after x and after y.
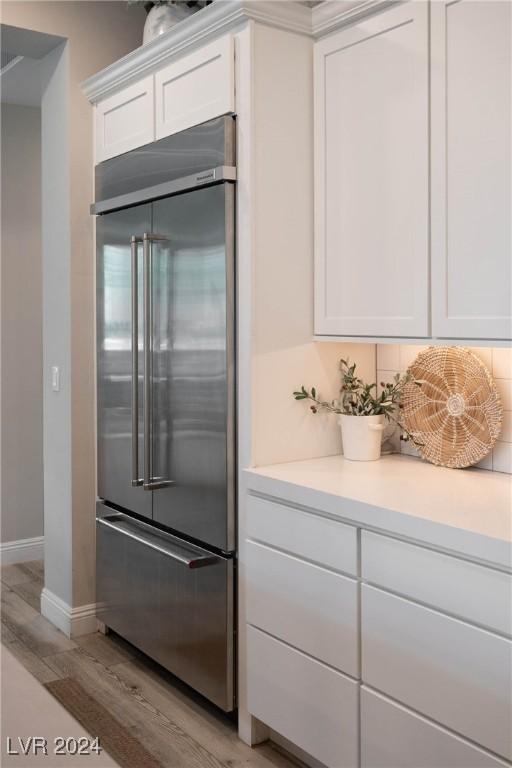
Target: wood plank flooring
x: 177, y: 726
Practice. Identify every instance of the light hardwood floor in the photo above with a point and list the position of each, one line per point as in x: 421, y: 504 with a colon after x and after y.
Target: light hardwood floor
x: 29, y: 709
x: 180, y: 728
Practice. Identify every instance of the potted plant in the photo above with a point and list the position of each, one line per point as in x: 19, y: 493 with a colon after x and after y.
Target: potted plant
x: 362, y: 411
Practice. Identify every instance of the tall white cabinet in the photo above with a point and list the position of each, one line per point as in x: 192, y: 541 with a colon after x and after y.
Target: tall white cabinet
x: 371, y: 167
x: 253, y: 59
x: 471, y: 168
x: 413, y: 173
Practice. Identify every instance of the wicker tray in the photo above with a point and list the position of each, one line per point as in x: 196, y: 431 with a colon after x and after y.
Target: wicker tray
x: 456, y: 413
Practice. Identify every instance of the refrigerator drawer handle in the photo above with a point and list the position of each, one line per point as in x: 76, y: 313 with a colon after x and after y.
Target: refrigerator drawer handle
x: 169, y: 550
x: 136, y: 480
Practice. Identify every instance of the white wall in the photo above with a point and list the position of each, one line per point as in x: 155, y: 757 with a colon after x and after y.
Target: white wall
x: 57, y: 327
x: 21, y: 325
x: 98, y: 33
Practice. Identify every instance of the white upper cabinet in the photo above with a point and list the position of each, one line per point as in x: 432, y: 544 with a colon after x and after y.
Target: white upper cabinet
x: 125, y: 120
x: 471, y: 169
x: 372, y: 177
x: 373, y: 211
x: 189, y: 91
x: 196, y: 88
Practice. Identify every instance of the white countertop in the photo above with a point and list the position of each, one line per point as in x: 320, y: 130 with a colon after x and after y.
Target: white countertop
x: 468, y: 511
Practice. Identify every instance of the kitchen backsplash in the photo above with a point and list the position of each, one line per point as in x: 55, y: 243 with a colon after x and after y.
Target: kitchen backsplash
x: 393, y: 358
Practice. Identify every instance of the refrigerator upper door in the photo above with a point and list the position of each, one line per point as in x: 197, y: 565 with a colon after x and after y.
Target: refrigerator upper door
x: 193, y: 364
x: 117, y: 308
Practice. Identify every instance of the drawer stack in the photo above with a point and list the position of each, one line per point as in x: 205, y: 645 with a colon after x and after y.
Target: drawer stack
x: 303, y: 642
x: 397, y: 657
x: 448, y: 658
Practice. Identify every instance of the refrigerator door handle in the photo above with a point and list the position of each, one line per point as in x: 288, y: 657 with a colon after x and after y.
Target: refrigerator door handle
x: 150, y: 483
x: 158, y: 541
x: 136, y: 480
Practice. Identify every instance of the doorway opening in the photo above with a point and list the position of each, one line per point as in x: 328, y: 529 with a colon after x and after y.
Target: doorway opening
x: 30, y: 91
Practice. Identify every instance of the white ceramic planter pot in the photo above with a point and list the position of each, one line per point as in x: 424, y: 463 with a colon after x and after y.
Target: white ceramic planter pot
x: 362, y: 437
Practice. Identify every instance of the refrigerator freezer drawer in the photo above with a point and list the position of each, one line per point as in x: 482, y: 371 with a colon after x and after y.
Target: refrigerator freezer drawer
x: 172, y: 600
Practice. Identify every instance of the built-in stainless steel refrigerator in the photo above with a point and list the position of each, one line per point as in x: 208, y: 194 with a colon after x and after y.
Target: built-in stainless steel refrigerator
x: 166, y: 515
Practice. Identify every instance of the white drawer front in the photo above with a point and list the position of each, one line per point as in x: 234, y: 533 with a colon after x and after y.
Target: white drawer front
x: 457, y: 674
x: 468, y: 590
x: 394, y: 737
x: 304, y: 605
x: 304, y: 534
x: 313, y: 706
x: 125, y: 121
x: 196, y: 88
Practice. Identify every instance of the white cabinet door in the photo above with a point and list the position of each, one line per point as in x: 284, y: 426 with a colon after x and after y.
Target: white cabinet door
x: 466, y: 590
x: 312, y: 537
x: 196, y: 88
x: 452, y: 672
x: 394, y: 737
x: 308, y: 607
x: 125, y: 120
x: 471, y: 169
x: 372, y: 177
x: 310, y: 704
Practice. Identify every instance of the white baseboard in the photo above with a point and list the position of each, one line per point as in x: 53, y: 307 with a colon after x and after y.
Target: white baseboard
x: 72, y: 621
x: 21, y: 551
x: 83, y: 620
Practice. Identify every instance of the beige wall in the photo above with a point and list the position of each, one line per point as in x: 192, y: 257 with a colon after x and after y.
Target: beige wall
x: 98, y: 33
x: 21, y: 324
x: 284, y: 353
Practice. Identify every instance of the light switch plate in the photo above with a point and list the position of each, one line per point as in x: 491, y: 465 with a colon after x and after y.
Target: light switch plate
x: 55, y: 378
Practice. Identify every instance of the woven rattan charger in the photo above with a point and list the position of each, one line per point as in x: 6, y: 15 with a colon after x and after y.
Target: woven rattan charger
x: 455, y: 413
